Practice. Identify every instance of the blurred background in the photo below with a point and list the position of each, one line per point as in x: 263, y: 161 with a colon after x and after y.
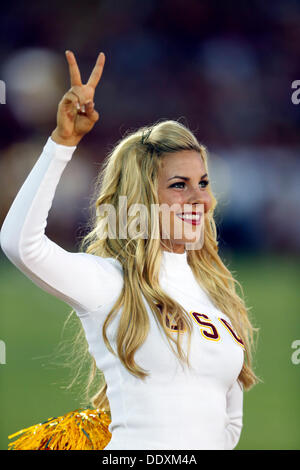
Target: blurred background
x: 224, y: 69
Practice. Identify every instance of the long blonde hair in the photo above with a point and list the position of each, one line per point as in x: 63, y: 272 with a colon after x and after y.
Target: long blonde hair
x: 131, y: 169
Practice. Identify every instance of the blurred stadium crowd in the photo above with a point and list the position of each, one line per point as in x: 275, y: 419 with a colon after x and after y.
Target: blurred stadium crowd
x: 225, y: 69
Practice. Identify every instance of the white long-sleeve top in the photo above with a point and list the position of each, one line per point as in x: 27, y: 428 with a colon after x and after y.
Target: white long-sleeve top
x: 175, y: 407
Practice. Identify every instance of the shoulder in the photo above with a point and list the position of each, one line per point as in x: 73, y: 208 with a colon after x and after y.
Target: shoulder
x: 110, y: 266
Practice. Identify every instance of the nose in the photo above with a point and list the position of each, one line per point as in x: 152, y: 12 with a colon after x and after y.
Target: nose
x: 200, y: 196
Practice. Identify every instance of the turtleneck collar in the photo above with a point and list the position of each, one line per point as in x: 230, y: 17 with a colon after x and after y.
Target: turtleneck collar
x: 171, y: 259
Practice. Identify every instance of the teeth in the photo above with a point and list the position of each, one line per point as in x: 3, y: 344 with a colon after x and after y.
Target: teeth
x: 190, y: 216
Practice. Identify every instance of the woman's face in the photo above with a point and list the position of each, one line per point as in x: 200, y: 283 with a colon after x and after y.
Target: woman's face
x: 183, y: 199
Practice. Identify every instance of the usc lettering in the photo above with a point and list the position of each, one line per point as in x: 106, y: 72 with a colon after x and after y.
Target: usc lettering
x: 208, y: 329
x: 210, y: 332
x: 232, y: 332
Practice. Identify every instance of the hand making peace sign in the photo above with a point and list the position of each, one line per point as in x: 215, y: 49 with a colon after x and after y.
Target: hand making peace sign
x: 76, y: 115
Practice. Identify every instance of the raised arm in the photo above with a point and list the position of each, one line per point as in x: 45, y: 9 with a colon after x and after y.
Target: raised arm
x: 79, y: 279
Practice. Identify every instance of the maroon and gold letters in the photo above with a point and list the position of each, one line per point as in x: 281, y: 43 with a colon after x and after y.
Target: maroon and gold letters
x: 208, y: 329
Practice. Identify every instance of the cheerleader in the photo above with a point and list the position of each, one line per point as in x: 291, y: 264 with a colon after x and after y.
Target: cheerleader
x: 159, y: 309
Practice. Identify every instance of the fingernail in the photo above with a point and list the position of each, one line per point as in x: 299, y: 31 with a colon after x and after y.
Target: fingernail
x: 83, y: 108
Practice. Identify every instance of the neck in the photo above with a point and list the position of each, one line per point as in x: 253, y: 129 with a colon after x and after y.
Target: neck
x: 173, y: 247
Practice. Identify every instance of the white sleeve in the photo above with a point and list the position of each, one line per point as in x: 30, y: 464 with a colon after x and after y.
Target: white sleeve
x: 82, y: 280
x: 235, y: 415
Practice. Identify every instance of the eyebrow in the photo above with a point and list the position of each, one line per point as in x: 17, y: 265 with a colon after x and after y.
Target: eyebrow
x: 185, y: 178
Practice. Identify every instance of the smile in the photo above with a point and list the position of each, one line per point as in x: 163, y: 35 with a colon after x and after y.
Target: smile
x: 193, y: 218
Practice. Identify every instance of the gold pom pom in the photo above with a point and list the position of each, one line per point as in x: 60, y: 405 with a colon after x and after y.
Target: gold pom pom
x: 77, y: 430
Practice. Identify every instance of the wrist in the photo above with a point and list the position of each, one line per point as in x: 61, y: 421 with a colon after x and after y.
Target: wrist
x: 69, y: 141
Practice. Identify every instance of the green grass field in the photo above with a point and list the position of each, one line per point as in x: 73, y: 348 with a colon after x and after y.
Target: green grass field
x: 32, y: 384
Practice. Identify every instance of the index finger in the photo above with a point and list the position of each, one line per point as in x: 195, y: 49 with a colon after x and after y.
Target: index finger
x: 97, y: 71
x: 73, y: 69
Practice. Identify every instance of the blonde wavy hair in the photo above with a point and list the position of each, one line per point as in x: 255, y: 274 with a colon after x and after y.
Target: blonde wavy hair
x: 131, y: 169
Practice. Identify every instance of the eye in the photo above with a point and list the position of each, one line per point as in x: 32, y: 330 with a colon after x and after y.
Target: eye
x: 174, y: 185
x: 204, y: 183
x: 181, y: 184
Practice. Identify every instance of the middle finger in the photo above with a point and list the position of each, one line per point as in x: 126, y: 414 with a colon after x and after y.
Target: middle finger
x: 97, y: 71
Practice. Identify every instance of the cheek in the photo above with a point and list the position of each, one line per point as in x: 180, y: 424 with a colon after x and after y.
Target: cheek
x: 208, y: 203
x: 167, y: 197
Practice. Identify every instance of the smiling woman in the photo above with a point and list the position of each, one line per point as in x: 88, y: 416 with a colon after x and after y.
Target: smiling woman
x: 160, y: 313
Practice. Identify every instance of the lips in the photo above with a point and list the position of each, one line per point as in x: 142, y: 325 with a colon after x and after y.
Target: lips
x: 193, y: 218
